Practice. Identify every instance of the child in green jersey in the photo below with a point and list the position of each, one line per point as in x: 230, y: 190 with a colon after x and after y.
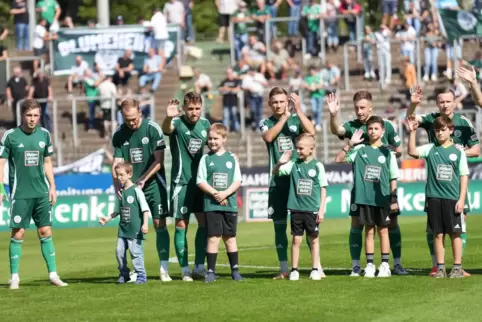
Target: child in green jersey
x: 445, y: 191
x: 219, y: 177
x: 375, y: 189
x: 306, y: 202
x: 133, y: 225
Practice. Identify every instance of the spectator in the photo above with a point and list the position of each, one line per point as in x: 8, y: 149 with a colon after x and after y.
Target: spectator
x: 17, y: 89
x: 68, y: 23
x: 123, y: 69
x: 108, y: 92
x: 145, y: 103
x: 313, y: 13
x: 226, y: 8
x: 410, y: 77
x: 77, y: 72
x: 313, y: 84
x: 260, y: 15
x: 331, y: 23
x: 21, y: 20
x: 42, y: 91
x: 92, y: 24
x: 174, y: 12
x: 50, y: 11
x: 295, y: 12
x: 255, y: 54
x: 368, y: 42
x: 412, y: 16
x: 477, y: 63
x: 203, y: 82
x: 3, y: 47
x: 255, y: 83
x: 39, y: 38
x: 91, y: 91
x: 230, y: 88
x: 241, y: 69
x: 432, y: 44
x: 353, y: 10
x: 295, y: 82
x: 384, y: 55
x: 272, y: 6
x: 188, y: 6
x: 407, y: 35
x: 330, y: 77
x: 119, y: 21
x: 153, y: 67
x: 453, y: 50
x: 98, y: 75
x: 240, y: 19
x: 160, y: 34
x: 279, y: 61
x: 460, y: 92
x: 389, y: 8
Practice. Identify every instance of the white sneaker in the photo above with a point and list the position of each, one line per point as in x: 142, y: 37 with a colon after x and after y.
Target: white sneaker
x: 294, y: 276
x: 58, y: 282
x: 434, y: 78
x: 165, y: 276
x: 322, y: 273
x: 198, y: 273
x: 315, y: 276
x: 384, y: 270
x: 132, y: 277
x: 14, y: 284
x: 370, y: 270
x: 318, y: 128
x: 186, y: 277
x: 425, y: 78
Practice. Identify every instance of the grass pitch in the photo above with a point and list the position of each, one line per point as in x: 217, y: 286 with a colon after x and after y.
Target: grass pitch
x: 86, y: 260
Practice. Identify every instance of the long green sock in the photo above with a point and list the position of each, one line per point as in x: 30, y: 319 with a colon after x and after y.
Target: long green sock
x: 200, y: 243
x: 15, y: 252
x: 355, y: 242
x: 181, y: 246
x: 281, y: 241
x: 430, y: 243
x: 163, y: 243
x: 48, y: 252
x: 395, y: 242
x: 463, y: 236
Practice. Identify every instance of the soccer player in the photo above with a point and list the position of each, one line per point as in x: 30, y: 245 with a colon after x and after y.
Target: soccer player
x: 219, y: 177
x: 375, y: 189
x: 28, y: 149
x: 306, y: 203
x: 279, y: 131
x: 464, y: 137
x: 134, y: 215
x: 141, y: 143
x: 445, y: 191
x: 362, y: 101
x: 188, y: 134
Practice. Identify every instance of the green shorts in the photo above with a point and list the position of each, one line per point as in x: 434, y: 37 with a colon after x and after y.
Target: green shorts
x: 185, y: 200
x: 22, y: 211
x: 157, y: 200
x: 278, y: 203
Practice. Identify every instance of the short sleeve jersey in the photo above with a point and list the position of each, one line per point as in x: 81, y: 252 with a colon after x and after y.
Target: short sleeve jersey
x: 306, y: 181
x: 48, y: 9
x: 25, y: 153
x: 445, y: 166
x: 138, y: 147
x: 390, y: 137
x: 464, y: 132
x: 131, y: 210
x: 187, y: 143
x: 373, y: 168
x: 219, y: 171
x: 285, y: 141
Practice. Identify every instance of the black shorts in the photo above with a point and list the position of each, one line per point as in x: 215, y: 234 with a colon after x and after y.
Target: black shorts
x: 107, y: 114
x: 39, y: 51
x: 304, y: 221
x: 372, y: 215
x: 441, y: 217
x: 223, y: 20
x: 221, y: 223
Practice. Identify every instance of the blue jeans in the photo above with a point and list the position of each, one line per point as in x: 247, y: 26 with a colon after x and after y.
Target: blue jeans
x: 351, y: 30
x: 295, y: 12
x: 317, y: 109
x: 91, y: 114
x: 431, y: 59
x: 146, y: 111
x: 155, y: 78
x: 416, y: 24
x: 240, y: 40
x: 274, y: 11
x: 21, y: 33
x: 45, y: 120
x: 137, y: 254
x: 231, y: 116
x: 311, y: 41
x: 332, y: 30
x: 368, y: 62
x: 188, y: 25
x: 256, y: 103
x: 410, y: 54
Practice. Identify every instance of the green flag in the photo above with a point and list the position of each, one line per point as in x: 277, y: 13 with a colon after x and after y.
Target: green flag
x: 458, y: 23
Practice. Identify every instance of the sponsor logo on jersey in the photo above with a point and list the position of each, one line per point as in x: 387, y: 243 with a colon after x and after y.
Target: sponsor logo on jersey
x: 194, y: 146
x: 444, y: 172
x: 125, y: 214
x: 372, y: 173
x: 304, y: 187
x: 145, y: 140
x: 220, y: 180
x: 137, y: 155
x: 31, y: 158
x: 285, y: 144
x: 41, y: 144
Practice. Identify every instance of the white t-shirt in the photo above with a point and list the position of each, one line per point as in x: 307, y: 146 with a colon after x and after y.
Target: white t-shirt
x: 383, y: 41
x: 203, y: 81
x: 79, y: 70
x: 38, y: 41
x: 408, y: 45
x: 255, y: 84
x: 174, y: 12
x: 159, y: 26
x: 227, y: 7
x: 107, y: 91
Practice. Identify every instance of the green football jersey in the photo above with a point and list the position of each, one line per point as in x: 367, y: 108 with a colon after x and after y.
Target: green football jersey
x: 390, y: 137
x: 306, y: 181
x: 138, y: 147
x: 373, y: 169
x: 25, y: 153
x: 285, y: 141
x: 48, y: 9
x: 445, y: 166
x: 187, y: 143
x: 219, y: 171
x: 464, y: 132
x: 131, y: 210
